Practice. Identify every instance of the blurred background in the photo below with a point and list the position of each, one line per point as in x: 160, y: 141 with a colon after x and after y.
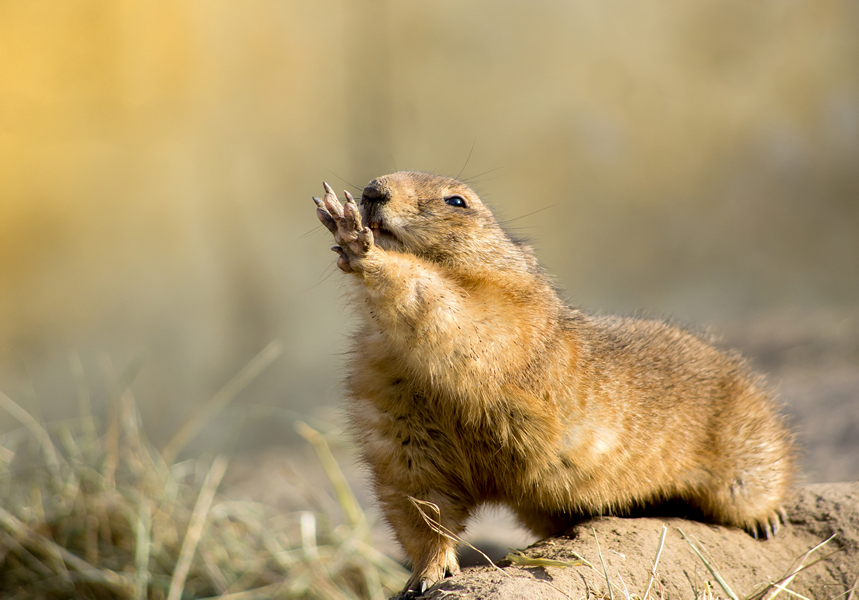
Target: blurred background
x: 693, y: 160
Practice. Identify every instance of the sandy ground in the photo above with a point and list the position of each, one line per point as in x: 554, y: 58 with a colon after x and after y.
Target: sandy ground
x: 628, y: 548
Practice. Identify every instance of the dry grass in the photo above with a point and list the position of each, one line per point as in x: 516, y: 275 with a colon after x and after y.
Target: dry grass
x: 89, y: 514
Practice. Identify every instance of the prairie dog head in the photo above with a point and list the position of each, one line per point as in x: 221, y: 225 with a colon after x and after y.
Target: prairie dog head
x: 435, y: 217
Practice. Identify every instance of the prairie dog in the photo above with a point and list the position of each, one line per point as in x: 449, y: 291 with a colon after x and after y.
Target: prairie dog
x: 471, y: 382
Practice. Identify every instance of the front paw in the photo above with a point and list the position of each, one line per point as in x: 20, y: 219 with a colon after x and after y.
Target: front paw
x: 354, y: 241
x: 424, y: 579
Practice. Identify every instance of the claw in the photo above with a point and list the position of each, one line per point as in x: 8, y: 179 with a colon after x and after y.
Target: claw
x: 324, y: 216
x: 326, y: 219
x: 343, y: 261
x: 353, y: 217
x: 333, y: 205
x: 349, y: 210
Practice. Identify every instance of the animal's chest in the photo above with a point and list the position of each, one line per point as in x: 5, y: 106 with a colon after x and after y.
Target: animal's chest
x: 417, y: 441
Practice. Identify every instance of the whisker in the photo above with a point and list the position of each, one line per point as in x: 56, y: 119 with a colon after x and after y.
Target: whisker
x: 314, y: 230
x: 328, y: 272
x: 474, y: 177
x: 352, y: 185
x: 473, y: 142
x: 528, y: 214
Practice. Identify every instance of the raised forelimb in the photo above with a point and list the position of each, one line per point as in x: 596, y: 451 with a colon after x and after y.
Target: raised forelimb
x: 355, y: 242
x: 410, y: 298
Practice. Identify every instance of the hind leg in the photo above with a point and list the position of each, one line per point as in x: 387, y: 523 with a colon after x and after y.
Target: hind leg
x: 760, y: 514
x: 754, y: 466
x: 751, y: 495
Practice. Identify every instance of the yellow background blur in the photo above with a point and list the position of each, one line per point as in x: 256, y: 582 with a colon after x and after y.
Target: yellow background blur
x: 695, y: 159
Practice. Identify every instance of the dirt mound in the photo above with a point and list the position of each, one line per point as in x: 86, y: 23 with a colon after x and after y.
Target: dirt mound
x: 628, y: 548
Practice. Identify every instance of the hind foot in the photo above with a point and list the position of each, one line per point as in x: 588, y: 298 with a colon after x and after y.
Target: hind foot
x: 767, y: 528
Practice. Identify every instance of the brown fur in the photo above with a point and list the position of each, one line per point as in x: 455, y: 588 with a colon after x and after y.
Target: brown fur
x: 471, y: 382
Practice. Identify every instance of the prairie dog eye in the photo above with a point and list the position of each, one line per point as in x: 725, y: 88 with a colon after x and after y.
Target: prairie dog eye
x: 456, y: 200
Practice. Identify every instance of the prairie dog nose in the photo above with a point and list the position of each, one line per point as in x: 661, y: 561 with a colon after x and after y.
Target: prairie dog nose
x: 376, y: 191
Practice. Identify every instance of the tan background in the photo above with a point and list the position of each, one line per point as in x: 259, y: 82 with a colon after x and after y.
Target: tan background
x: 692, y: 159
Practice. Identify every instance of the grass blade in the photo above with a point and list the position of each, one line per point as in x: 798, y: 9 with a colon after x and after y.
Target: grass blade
x: 348, y: 502
x: 604, y: 569
x: 655, y: 562
x: 192, y: 426
x: 722, y: 583
x: 196, y: 526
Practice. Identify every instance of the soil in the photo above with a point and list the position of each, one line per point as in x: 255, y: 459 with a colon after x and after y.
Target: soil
x: 629, y: 548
